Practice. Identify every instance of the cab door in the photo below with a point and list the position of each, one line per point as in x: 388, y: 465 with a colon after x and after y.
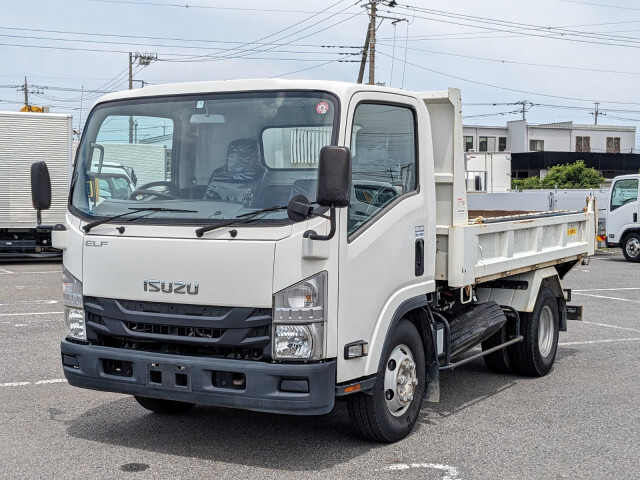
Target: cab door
x: 382, y: 254
x: 623, y: 208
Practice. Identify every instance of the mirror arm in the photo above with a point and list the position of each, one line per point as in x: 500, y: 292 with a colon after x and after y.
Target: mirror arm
x: 312, y: 235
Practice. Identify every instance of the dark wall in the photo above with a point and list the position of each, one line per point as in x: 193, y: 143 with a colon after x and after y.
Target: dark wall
x: 609, y: 164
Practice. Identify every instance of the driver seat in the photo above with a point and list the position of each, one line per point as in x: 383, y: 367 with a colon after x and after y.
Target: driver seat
x: 240, y: 177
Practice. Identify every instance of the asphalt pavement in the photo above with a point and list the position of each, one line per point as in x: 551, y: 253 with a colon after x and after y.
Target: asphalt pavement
x: 579, y: 422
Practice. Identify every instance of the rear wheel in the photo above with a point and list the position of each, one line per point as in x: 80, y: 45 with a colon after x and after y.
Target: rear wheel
x: 389, y: 414
x: 536, y: 353
x: 631, y: 248
x: 158, y: 405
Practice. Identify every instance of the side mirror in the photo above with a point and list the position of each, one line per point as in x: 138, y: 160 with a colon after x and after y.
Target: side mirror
x: 40, y: 186
x: 299, y: 208
x: 334, y: 185
x: 334, y: 177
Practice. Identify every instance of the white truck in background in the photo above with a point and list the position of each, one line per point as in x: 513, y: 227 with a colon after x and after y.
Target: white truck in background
x: 488, y: 172
x: 248, y: 276
x: 24, y: 139
x: 623, y: 227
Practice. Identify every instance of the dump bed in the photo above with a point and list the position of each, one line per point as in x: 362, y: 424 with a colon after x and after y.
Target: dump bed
x: 490, y: 248
x: 483, y: 249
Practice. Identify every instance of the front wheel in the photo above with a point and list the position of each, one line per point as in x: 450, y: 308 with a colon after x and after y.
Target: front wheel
x: 389, y: 414
x: 536, y: 353
x: 631, y: 248
x: 159, y: 405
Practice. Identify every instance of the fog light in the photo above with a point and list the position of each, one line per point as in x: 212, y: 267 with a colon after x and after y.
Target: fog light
x: 75, y: 324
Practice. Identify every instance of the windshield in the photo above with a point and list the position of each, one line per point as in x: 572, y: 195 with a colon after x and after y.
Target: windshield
x: 214, y: 156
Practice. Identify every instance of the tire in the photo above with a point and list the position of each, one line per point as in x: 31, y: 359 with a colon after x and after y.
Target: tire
x: 499, y: 361
x: 631, y: 247
x: 166, y: 407
x: 535, y: 355
x: 389, y: 414
x: 474, y: 326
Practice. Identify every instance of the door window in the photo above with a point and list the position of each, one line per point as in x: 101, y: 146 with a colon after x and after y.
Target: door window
x: 624, y: 191
x: 383, y: 149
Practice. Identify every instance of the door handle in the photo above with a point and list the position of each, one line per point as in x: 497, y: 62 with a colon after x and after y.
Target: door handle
x: 635, y: 218
x: 419, y: 257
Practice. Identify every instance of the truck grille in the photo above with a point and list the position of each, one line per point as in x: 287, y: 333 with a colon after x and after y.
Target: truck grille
x: 193, y: 330
x: 174, y: 330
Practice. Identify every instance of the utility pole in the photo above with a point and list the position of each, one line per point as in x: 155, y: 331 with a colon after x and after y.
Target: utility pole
x: 372, y: 43
x: 365, y: 50
x: 524, y: 104
x: 143, y: 59
x: 370, y: 39
x: 130, y: 71
x: 25, y: 88
x: 26, y: 92
x: 80, y: 120
x: 596, y: 113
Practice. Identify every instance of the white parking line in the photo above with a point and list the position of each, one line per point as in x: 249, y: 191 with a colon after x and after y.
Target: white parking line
x: 605, y: 297
x: 606, y: 289
x: 449, y: 472
x: 612, y: 326
x: 30, y: 302
x: 5, y: 272
x: 590, y: 342
x: 47, y: 271
x: 28, y: 313
x: 39, y: 382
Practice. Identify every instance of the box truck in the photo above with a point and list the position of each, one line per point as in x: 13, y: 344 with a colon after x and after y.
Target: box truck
x: 26, y: 138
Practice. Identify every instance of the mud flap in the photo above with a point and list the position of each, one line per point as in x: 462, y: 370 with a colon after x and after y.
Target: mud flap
x: 432, y: 392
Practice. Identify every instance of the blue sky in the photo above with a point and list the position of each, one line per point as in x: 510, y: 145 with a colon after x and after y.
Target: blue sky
x: 560, y: 55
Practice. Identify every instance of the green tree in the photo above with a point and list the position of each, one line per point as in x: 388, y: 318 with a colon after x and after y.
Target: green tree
x: 531, y: 183
x: 572, y: 175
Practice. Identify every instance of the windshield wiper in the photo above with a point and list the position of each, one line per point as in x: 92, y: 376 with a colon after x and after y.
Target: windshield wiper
x: 240, y: 219
x: 95, y: 223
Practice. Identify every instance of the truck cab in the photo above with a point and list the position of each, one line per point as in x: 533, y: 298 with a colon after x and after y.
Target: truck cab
x: 623, y: 229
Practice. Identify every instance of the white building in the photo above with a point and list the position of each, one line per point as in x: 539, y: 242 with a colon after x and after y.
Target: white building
x: 518, y: 136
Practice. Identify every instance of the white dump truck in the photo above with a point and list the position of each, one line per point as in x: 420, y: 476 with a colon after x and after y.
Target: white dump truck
x: 623, y: 228
x: 24, y: 139
x: 302, y: 242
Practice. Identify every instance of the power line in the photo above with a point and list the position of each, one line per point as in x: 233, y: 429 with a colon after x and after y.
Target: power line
x: 507, y: 88
x: 599, y: 5
x: 210, y: 7
x: 169, y: 39
x: 495, y: 60
x: 524, y: 29
x: 252, y: 52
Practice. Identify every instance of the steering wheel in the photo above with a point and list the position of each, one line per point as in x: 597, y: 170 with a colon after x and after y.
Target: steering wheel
x: 145, y: 191
x: 372, y: 208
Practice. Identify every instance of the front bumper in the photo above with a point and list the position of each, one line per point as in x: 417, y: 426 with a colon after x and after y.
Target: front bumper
x: 296, y: 389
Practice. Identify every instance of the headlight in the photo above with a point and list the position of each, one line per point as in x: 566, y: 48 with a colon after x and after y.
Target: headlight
x: 293, y: 341
x: 73, y: 312
x: 299, y: 320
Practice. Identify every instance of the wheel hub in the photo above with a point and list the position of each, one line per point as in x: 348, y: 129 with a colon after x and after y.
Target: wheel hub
x: 633, y: 247
x: 400, y: 380
x: 545, y: 331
